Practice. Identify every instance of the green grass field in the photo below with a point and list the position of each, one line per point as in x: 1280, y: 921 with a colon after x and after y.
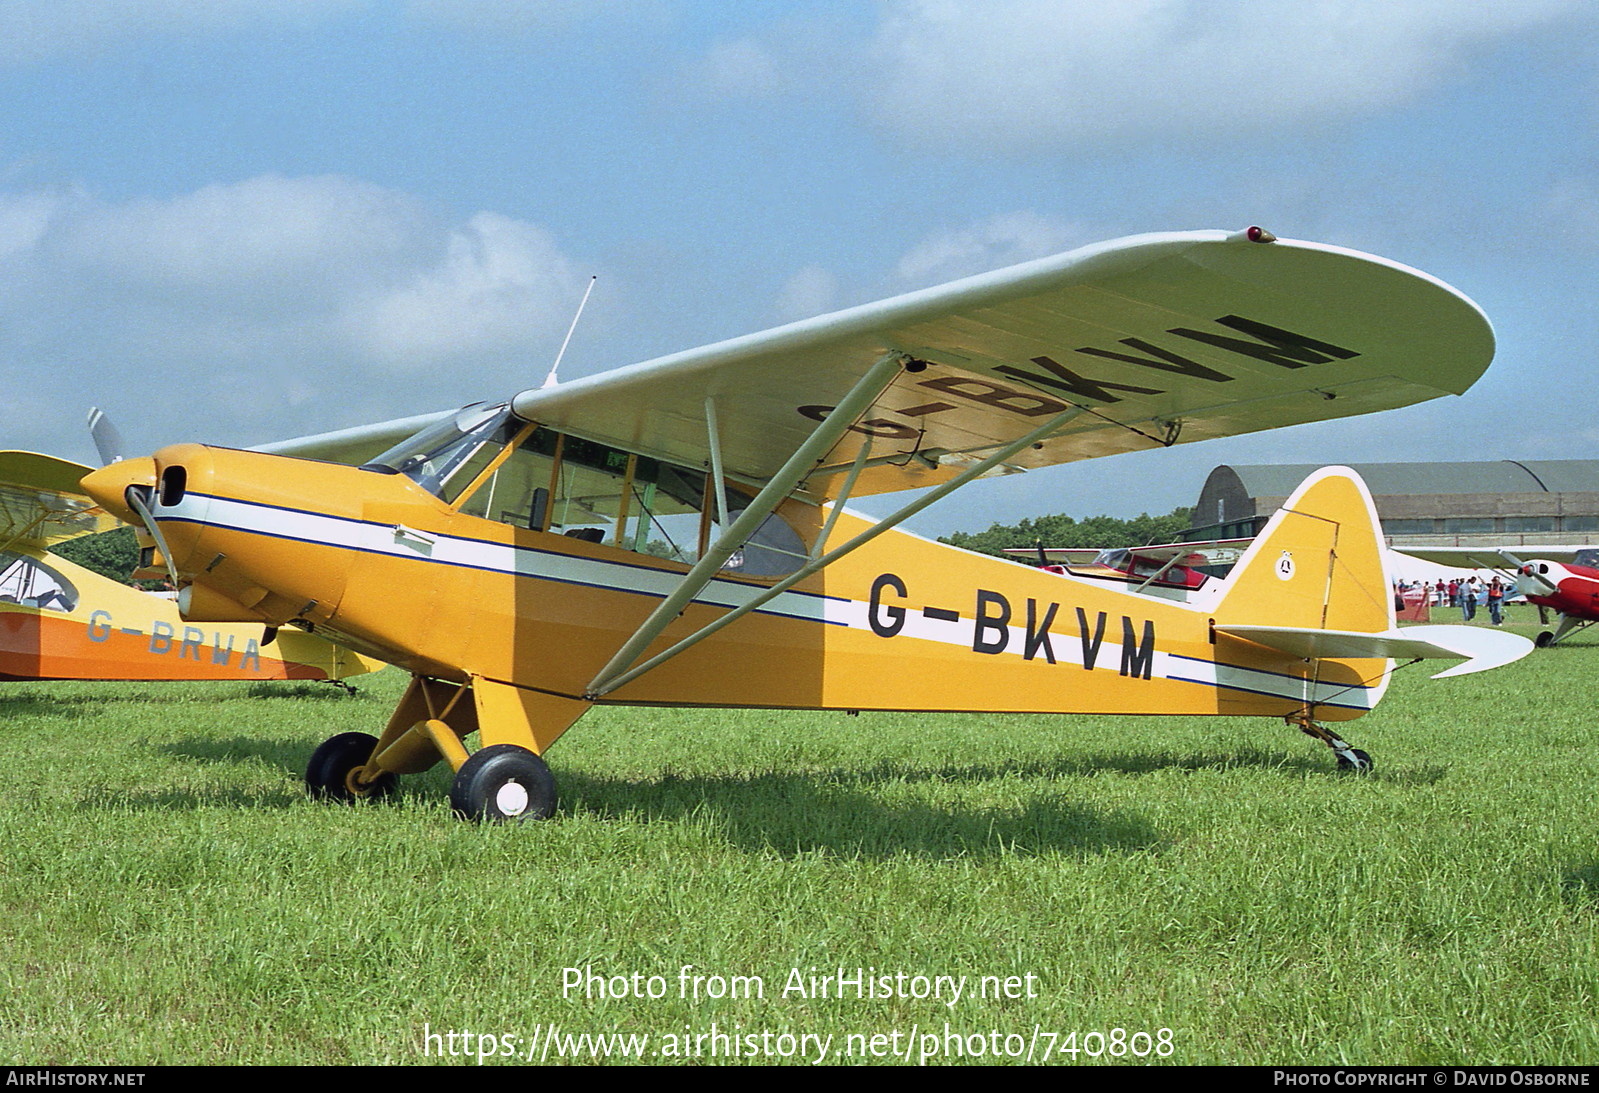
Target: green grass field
x: 168, y: 895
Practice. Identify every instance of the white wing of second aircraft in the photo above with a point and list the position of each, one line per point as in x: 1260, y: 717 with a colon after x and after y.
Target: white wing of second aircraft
x: 1495, y: 557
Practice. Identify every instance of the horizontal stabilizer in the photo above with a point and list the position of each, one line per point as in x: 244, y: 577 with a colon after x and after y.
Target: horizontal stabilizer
x: 1480, y: 647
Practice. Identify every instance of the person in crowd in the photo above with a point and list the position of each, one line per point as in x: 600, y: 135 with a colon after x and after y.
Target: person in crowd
x: 1496, y: 601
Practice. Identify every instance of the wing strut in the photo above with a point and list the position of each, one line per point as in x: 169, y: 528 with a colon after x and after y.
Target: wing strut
x: 714, y: 437
x: 822, y: 440
x: 855, y: 469
x: 609, y: 680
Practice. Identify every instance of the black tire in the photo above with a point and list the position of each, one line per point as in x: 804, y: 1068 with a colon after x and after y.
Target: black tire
x: 503, y: 783
x: 1544, y: 639
x: 327, y: 774
x: 1364, y: 764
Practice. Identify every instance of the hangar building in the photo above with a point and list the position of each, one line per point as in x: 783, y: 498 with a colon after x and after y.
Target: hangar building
x: 1506, y: 503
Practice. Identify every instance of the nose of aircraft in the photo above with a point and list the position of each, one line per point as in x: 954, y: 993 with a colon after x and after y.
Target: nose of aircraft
x: 1529, y: 582
x: 109, y: 485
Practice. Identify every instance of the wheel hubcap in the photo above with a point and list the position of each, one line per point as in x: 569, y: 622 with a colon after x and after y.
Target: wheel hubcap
x: 511, y: 799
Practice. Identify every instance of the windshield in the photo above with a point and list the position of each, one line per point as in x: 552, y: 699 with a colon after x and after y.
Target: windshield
x: 435, y: 457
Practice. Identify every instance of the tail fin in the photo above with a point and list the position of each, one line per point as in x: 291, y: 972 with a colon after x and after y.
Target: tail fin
x: 1313, y: 585
x: 1318, y: 563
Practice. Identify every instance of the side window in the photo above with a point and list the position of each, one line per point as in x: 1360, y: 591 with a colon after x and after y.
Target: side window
x: 593, y: 487
x: 589, y: 491
x: 518, y: 492
x: 774, y: 550
x: 33, y: 584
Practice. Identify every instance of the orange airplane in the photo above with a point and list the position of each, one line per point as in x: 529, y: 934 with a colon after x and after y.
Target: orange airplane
x: 674, y: 532
x: 59, y: 620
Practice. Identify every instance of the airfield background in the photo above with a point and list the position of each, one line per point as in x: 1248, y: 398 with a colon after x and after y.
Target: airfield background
x: 1507, y: 502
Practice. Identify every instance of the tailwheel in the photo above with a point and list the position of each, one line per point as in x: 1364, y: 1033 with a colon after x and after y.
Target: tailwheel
x: 501, y: 783
x: 334, y: 772
x: 1350, y: 759
x: 1353, y: 759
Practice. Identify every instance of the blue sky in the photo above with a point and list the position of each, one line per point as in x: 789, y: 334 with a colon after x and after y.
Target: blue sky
x: 242, y: 221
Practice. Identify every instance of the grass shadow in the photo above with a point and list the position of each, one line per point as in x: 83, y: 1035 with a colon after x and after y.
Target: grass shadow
x: 1580, y: 886
x: 291, y: 755
x: 840, y: 811
x: 314, y: 689
x: 804, y: 813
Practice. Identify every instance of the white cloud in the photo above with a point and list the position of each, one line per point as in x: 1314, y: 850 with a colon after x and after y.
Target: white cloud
x: 500, y: 288
x: 739, y: 69
x: 300, y: 239
x: 24, y: 218
x: 268, y: 308
x: 994, y: 243
x: 1017, y: 74
x: 811, y: 291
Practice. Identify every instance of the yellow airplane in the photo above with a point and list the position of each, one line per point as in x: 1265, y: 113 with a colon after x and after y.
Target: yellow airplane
x: 674, y: 532
x: 59, y: 620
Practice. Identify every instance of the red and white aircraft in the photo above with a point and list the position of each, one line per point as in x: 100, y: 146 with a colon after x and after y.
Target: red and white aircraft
x: 1169, y: 569
x: 1564, y: 579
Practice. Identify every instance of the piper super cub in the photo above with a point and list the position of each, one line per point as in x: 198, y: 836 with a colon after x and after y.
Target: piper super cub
x: 674, y: 532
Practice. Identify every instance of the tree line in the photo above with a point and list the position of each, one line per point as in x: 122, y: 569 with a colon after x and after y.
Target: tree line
x: 1061, y: 530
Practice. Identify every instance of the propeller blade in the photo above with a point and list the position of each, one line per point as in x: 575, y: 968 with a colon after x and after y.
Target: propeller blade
x: 107, y: 441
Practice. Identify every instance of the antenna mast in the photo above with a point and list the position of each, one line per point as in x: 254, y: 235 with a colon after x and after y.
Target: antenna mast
x: 550, y: 380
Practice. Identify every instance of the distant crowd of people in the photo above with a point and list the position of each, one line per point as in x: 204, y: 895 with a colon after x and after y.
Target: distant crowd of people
x: 1468, y: 594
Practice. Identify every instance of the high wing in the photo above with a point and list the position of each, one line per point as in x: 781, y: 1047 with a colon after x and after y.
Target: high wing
x: 1135, y: 343
x: 1156, y: 338
x: 42, y: 504
x: 1494, y: 557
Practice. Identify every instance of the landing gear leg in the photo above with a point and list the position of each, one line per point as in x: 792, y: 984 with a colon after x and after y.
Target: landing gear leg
x: 1349, y: 758
x: 1569, y: 624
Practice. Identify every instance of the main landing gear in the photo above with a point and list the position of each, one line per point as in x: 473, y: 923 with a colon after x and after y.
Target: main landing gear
x: 1569, y: 624
x: 506, y: 780
x: 336, y: 770
x: 1350, y: 759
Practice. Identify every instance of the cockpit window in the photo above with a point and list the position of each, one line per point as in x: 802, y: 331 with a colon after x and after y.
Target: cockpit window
x: 30, y: 583
x: 580, y: 488
x: 445, y: 457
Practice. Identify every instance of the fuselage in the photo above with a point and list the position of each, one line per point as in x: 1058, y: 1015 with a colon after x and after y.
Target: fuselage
x: 390, y: 568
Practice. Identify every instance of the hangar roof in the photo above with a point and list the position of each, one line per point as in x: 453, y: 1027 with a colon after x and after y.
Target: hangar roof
x: 1399, y: 479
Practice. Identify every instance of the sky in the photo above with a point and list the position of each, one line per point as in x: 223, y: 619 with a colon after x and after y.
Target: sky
x: 238, y: 222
